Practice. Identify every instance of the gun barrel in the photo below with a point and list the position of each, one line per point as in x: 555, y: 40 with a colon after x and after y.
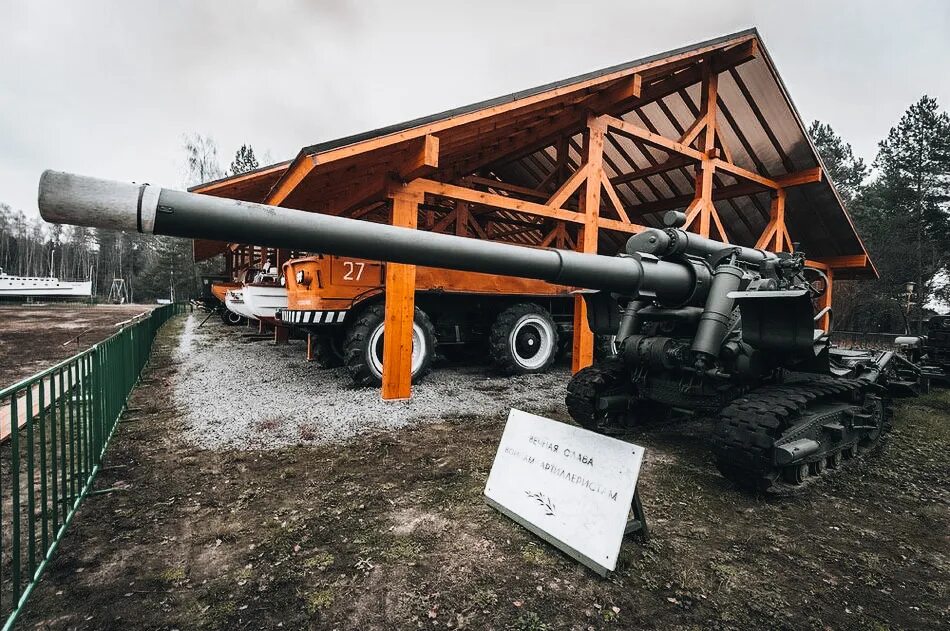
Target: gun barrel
x: 87, y: 201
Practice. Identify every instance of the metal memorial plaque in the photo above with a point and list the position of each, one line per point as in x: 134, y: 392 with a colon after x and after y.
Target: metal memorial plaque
x: 570, y: 486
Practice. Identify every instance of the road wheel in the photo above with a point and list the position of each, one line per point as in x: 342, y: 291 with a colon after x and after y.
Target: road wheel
x: 590, y: 386
x: 230, y: 318
x: 523, y: 339
x: 874, y: 406
x: 363, y: 346
x: 796, y: 473
x: 327, y: 349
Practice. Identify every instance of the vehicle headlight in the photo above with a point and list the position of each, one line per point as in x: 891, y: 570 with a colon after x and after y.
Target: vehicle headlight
x: 283, y: 281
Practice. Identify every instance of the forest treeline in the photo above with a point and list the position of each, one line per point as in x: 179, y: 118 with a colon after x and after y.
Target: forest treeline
x: 900, y: 204
x: 152, y: 267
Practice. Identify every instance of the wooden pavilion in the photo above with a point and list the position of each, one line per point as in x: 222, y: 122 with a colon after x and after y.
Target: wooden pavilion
x: 580, y: 164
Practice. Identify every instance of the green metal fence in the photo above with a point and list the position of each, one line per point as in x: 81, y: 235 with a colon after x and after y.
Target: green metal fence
x: 55, y: 427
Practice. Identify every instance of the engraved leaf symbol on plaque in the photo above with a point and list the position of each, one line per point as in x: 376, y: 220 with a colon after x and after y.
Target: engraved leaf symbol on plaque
x: 543, y: 500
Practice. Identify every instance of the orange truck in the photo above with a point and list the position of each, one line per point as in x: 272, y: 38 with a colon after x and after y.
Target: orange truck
x: 339, y: 301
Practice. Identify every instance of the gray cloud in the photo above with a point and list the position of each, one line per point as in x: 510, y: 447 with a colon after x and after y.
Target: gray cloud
x: 110, y: 88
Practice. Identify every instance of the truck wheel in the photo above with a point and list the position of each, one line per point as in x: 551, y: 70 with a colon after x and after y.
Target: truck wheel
x: 363, y: 346
x: 230, y: 318
x: 523, y: 339
x: 328, y: 350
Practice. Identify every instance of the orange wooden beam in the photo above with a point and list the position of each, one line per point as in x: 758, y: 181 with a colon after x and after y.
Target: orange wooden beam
x: 583, y: 343
x: 624, y: 90
x: 400, y: 308
x: 635, y: 131
x: 841, y: 262
x: 614, y: 198
x: 745, y: 174
x: 505, y: 186
x: 826, y: 300
x: 774, y: 234
x: 674, y: 162
x: 568, y: 188
x: 708, y: 100
x: 423, y: 158
x: 798, y: 178
x: 693, y: 131
x: 620, y: 226
x: 290, y: 180
x: 452, y: 191
x: 561, y: 154
x: 489, y: 199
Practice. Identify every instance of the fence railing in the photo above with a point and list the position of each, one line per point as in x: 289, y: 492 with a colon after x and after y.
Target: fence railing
x: 54, y: 428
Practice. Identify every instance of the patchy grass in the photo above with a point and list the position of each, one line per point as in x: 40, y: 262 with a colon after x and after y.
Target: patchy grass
x: 320, y: 600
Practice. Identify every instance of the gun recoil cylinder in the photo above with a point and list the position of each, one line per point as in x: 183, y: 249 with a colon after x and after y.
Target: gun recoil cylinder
x: 678, y: 242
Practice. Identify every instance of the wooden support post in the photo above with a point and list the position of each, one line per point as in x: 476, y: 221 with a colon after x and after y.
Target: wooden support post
x: 775, y: 235
x: 309, y: 347
x: 704, y: 184
x: 710, y: 91
x: 825, y: 322
x: 704, y: 179
x: 461, y: 219
x: 702, y: 210
x: 583, y: 349
x: 281, y: 334
x: 400, y: 308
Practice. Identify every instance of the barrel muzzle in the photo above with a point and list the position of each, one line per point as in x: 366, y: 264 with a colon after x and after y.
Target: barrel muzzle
x: 88, y: 201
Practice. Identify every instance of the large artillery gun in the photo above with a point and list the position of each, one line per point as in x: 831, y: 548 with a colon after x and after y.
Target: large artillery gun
x: 930, y: 352
x: 702, y: 327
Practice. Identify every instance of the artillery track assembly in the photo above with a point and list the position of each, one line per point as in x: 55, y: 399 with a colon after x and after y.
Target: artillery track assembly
x: 702, y: 327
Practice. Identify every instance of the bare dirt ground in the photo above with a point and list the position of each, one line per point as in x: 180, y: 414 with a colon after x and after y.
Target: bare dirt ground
x: 389, y: 531
x: 34, y: 337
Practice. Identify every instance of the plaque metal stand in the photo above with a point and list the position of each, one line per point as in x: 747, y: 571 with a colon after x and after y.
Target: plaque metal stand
x: 637, y: 522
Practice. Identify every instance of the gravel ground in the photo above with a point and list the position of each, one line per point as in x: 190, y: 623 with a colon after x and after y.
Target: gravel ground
x: 241, y: 392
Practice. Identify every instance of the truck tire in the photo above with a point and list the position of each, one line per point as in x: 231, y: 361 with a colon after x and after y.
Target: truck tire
x: 230, y: 318
x: 363, y: 346
x: 328, y: 350
x: 524, y: 339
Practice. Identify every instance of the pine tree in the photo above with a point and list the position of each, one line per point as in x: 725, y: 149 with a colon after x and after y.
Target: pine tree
x: 904, y: 214
x: 244, y: 160
x: 846, y: 170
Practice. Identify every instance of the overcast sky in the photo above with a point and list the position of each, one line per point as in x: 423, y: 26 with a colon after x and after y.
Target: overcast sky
x: 110, y: 88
